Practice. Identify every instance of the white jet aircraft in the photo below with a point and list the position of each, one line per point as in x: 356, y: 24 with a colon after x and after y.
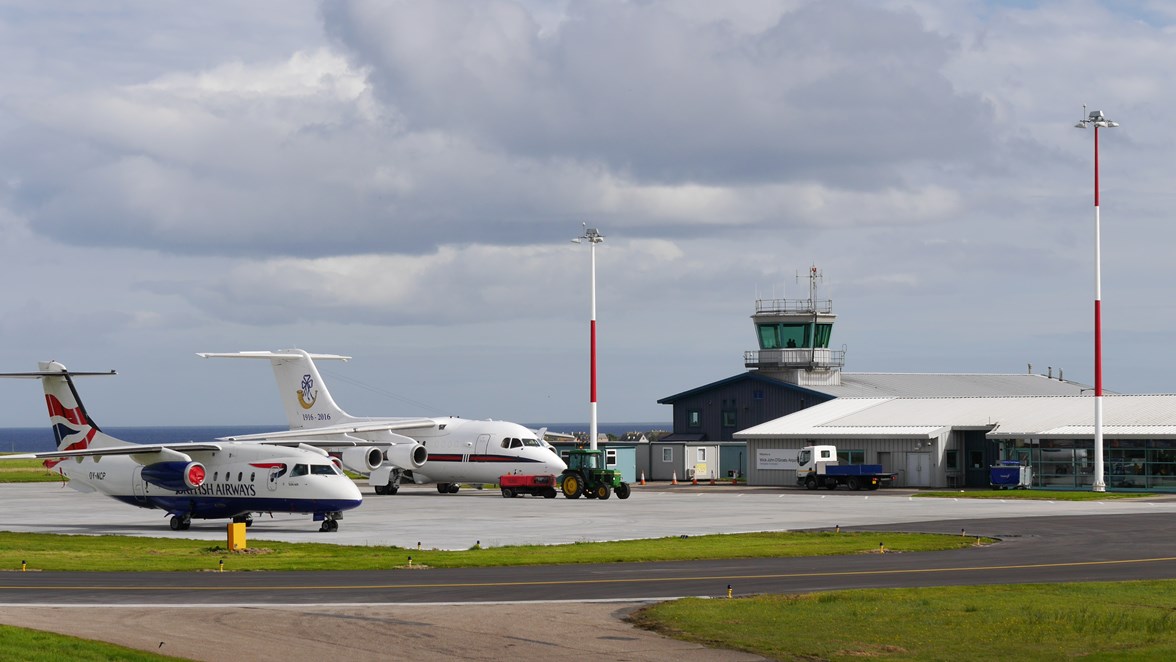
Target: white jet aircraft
x: 213, y: 480
x: 447, y: 451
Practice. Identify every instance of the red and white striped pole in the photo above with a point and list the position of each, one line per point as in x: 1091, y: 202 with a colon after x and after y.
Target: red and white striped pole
x: 1098, y: 120
x: 593, y: 237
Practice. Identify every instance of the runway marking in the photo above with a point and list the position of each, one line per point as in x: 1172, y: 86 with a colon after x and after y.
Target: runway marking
x: 573, y: 582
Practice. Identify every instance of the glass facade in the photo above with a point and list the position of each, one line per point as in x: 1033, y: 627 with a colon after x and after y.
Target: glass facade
x: 1069, y: 463
x: 783, y: 336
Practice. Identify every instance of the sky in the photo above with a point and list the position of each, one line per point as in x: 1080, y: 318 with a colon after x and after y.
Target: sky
x: 399, y: 182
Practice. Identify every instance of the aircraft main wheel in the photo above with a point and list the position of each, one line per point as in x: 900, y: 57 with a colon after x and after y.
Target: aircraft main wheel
x: 442, y: 487
x: 392, y: 489
x: 176, y: 523
x: 572, y: 486
x: 623, y: 491
x: 453, y: 488
x: 381, y: 489
x: 603, y: 491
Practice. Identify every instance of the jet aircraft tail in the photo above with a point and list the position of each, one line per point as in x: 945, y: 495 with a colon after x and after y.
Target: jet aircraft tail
x: 305, y: 397
x: 72, y: 426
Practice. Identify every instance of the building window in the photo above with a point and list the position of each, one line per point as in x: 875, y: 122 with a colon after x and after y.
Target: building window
x: 702, y: 455
x: 729, y: 413
x: 610, y: 457
x: 851, y: 456
x: 694, y: 418
x: 667, y: 454
x: 952, y: 458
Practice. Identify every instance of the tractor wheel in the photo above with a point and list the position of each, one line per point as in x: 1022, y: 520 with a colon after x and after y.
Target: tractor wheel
x: 623, y: 491
x: 572, y: 486
x: 810, y: 483
x: 602, y: 491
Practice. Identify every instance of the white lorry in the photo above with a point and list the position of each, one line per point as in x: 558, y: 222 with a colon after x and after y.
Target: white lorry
x: 818, y: 467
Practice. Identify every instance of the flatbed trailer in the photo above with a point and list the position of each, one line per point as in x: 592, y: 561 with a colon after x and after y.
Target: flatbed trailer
x: 513, y: 485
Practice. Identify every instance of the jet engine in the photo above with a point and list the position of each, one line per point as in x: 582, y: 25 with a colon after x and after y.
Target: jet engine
x: 407, y: 455
x: 177, y: 476
x: 362, y: 459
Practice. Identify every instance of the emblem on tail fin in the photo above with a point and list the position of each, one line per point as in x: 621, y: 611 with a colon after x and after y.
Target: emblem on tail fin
x: 307, y: 398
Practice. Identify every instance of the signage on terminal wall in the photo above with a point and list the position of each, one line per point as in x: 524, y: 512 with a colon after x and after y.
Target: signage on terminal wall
x: 776, y: 458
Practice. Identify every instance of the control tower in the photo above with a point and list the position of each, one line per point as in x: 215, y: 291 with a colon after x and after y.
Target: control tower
x: 793, y: 337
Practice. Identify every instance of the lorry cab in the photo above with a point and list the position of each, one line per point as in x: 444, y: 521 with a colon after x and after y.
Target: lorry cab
x: 809, y: 456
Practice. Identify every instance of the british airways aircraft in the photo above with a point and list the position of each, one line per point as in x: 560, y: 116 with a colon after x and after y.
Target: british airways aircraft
x: 447, y: 451
x: 215, y: 480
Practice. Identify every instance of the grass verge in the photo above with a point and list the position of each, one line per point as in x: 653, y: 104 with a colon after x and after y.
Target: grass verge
x: 1036, y: 495
x: 44, y: 551
x: 1120, y: 620
x: 23, y: 645
x: 27, y: 471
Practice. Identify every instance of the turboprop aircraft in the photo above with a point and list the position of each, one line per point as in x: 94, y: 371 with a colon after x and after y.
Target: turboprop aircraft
x: 213, y: 480
x: 447, y: 451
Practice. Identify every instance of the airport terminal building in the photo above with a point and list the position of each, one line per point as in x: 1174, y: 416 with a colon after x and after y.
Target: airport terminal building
x: 933, y: 430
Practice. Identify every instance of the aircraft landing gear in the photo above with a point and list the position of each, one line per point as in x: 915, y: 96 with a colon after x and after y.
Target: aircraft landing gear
x: 247, y: 520
x: 448, y: 488
x: 181, y: 522
x: 393, y: 485
x: 330, y: 522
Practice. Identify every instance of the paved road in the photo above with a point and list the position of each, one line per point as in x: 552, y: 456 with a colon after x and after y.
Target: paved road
x: 376, y: 615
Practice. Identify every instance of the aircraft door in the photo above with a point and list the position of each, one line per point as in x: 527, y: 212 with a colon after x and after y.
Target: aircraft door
x: 138, y: 486
x: 481, y: 446
x: 271, y: 482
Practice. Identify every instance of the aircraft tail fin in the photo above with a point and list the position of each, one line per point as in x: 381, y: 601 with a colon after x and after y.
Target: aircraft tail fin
x: 72, y: 426
x: 305, y: 397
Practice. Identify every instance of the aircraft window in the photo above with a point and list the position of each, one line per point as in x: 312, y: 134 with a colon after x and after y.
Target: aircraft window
x: 300, y: 470
x: 505, y: 443
x: 323, y: 469
x: 240, y: 475
x: 214, y: 475
x: 252, y: 476
x: 515, y: 443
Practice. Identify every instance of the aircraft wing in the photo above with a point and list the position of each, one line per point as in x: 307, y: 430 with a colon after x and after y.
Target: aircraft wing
x: 293, y: 442
x: 336, y: 430
x: 130, y: 449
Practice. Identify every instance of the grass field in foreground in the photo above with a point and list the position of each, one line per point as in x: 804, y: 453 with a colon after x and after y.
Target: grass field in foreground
x: 1035, y: 495
x: 22, y: 645
x: 44, y: 551
x: 1121, y: 620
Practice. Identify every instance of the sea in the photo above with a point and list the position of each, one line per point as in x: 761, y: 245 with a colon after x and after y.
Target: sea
x: 40, y: 439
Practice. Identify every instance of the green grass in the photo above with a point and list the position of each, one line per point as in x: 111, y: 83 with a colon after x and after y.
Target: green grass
x: 23, y: 645
x: 1036, y: 495
x: 27, y: 471
x: 44, y: 551
x: 1121, y: 620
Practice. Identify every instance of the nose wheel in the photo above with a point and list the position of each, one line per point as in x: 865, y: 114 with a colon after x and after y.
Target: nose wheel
x: 330, y: 525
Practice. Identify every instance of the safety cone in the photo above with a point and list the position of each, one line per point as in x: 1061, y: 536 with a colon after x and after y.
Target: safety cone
x: 712, y: 478
x: 674, y: 478
x: 694, y: 481
x: 642, y: 477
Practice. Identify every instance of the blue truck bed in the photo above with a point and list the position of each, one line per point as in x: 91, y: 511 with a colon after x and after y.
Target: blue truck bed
x: 853, y: 470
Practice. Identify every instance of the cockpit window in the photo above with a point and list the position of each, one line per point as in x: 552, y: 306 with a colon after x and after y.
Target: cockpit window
x: 299, y: 470
x: 531, y: 442
x: 324, y: 470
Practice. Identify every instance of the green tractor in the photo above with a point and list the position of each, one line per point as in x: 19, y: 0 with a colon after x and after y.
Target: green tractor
x: 586, y: 476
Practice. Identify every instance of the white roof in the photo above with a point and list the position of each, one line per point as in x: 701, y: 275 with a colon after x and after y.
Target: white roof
x: 1064, y: 417
x: 930, y: 385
